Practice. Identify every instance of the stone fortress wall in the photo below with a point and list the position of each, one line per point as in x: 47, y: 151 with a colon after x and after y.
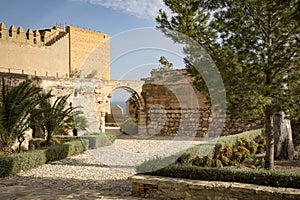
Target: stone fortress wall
x: 65, y: 53
x: 171, y: 110
x: 61, y: 52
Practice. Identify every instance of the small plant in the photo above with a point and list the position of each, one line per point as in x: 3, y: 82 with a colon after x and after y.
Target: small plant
x: 129, y: 127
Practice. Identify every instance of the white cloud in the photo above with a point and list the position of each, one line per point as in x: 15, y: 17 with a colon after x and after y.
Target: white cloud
x: 138, y: 8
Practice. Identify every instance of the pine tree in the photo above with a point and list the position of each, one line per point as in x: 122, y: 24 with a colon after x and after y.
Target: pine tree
x: 255, y: 45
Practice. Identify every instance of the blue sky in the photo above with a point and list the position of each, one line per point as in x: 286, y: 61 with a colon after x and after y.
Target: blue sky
x: 122, y: 19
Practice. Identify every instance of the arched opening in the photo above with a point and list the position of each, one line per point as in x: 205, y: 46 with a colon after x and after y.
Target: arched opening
x: 125, y: 104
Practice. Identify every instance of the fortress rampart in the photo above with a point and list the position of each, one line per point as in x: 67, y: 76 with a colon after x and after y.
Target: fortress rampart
x: 62, y: 52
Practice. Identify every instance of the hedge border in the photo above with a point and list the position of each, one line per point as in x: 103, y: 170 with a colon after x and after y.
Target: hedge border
x: 15, y: 163
x: 278, y: 178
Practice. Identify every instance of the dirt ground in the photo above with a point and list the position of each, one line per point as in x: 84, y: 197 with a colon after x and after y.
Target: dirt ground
x: 293, y: 165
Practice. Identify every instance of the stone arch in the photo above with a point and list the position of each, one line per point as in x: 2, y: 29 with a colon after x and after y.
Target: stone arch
x: 135, y: 93
x: 107, y: 87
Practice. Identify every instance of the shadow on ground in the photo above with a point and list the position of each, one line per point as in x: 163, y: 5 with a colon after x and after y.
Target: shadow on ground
x: 29, y: 187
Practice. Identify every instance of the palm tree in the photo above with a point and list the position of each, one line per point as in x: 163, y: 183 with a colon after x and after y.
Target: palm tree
x: 78, y: 122
x: 56, y: 117
x: 16, y: 104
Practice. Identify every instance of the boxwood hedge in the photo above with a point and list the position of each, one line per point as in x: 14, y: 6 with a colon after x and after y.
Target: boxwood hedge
x: 276, y: 178
x: 15, y: 163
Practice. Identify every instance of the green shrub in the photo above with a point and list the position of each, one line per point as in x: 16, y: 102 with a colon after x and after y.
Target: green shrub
x: 129, y: 127
x: 286, y: 179
x: 231, y: 140
x: 156, y: 163
x: 99, y: 140
x: 61, y: 151
x: 111, y: 138
x: 36, y: 143
x: 67, y: 138
x: 14, y: 163
x: 261, y: 141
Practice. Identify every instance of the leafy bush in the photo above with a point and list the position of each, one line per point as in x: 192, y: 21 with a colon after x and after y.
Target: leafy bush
x: 243, y: 150
x: 129, y: 127
x: 287, y: 179
x: 231, y: 140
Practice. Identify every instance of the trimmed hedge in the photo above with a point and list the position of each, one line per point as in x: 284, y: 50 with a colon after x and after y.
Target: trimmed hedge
x: 61, y: 151
x: 15, y: 163
x: 286, y: 179
x: 97, y: 140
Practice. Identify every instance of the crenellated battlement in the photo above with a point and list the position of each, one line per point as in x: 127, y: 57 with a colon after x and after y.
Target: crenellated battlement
x: 60, y: 51
x: 44, y: 37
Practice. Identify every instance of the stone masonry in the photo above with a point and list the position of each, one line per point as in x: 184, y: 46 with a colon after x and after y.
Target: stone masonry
x: 173, y: 106
x: 59, y: 51
x: 155, y: 187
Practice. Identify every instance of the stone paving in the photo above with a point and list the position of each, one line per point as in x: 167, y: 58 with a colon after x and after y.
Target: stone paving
x: 95, y: 174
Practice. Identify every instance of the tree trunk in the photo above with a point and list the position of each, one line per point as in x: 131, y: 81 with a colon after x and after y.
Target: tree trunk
x: 284, y: 147
x: 21, y: 139
x: 269, y: 158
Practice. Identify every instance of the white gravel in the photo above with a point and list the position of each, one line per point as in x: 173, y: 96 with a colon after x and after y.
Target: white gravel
x: 105, y: 169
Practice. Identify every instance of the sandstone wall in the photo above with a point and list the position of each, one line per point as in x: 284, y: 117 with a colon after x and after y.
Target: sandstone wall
x: 24, y: 58
x: 89, y: 53
x: 55, y: 52
x: 171, y: 108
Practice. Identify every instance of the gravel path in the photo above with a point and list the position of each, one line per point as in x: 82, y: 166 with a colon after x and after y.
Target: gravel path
x: 96, y: 174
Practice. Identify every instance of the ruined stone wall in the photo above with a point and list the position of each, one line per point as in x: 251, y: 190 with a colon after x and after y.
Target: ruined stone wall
x: 171, y: 108
x: 89, y: 53
x: 81, y: 93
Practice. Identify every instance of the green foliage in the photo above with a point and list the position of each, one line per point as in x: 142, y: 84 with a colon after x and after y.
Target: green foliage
x: 219, y: 156
x: 36, y: 143
x: 78, y: 121
x: 129, y: 127
x: 156, y: 163
x: 56, y: 117
x: 165, y: 65
x: 230, y: 140
x: 99, y: 140
x: 285, y: 179
x: 67, y: 138
x: 254, y: 44
x: 16, y: 105
x: 296, y: 132
x: 261, y: 141
x: 243, y: 150
x: 15, y: 163
x: 60, y: 151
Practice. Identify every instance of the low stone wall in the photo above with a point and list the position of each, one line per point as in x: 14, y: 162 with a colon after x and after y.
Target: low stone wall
x: 173, y: 188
